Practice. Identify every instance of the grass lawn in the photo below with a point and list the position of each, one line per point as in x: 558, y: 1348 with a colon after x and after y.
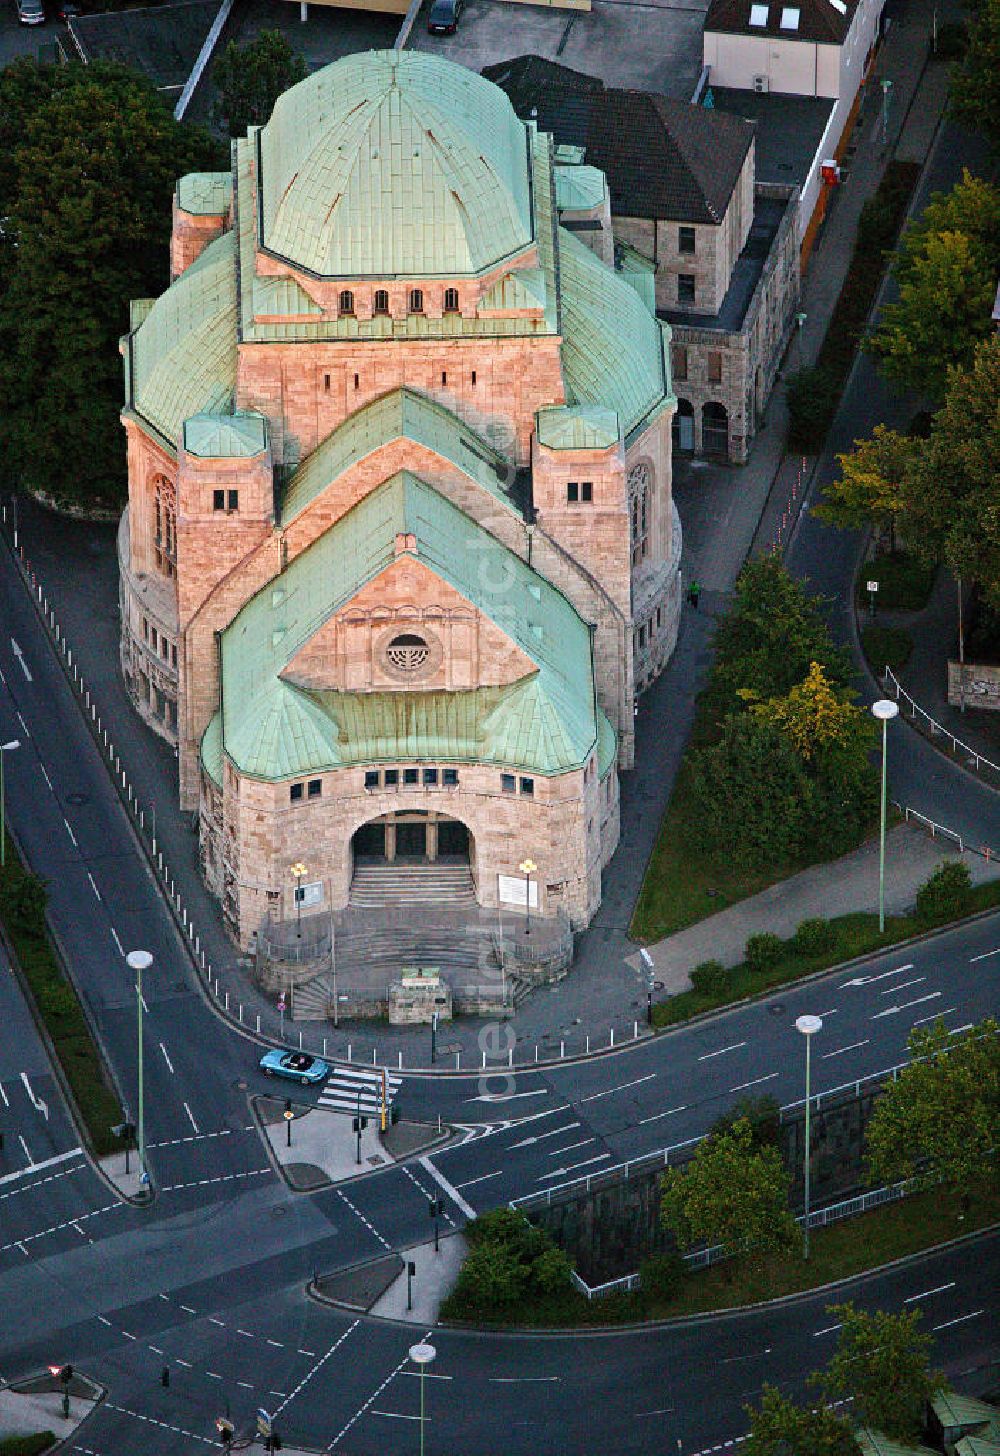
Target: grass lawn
x: 886, y: 647
x: 837, y: 1252
x: 904, y: 583
x: 855, y: 935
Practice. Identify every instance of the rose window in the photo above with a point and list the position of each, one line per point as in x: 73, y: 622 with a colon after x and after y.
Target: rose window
x: 408, y: 653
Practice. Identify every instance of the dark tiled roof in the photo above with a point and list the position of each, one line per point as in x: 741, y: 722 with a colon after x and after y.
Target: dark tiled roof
x: 825, y: 21
x: 663, y: 158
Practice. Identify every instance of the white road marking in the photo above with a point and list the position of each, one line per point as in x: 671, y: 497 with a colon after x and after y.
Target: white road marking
x: 3, y: 1094
x: 596, y: 1096
x: 524, y: 1379
x: 205, y: 1182
x: 371, y: 1399
x: 69, y: 831
x: 756, y: 1082
x: 552, y: 1132
x: 841, y: 1050
x: 722, y: 1050
x: 959, y: 1029
x: 169, y: 1063
x: 960, y: 1320
x: 657, y: 1115
x: 191, y: 1116
x: 397, y: 1416
x: 31, y: 1162
x: 895, y: 1010
x: 45, y: 776
x: 483, y: 1178
x: 882, y: 976
x: 427, y: 1375
x: 558, y: 1152
x: 558, y: 1172
x: 923, y: 1020
x: 104, y: 1320
x: 150, y: 1421
x: 451, y: 1191
x: 37, y: 1102
x: 93, y: 885
x: 508, y: 1096
x: 891, y: 990
x: 939, y: 1289
x: 985, y: 956
x: 55, y: 1228
x: 319, y: 1363
x: 827, y: 1330
x: 114, y: 934
x: 213, y: 1321
x: 369, y: 1226
x: 23, y: 725
x: 16, y: 649
x: 45, y: 1163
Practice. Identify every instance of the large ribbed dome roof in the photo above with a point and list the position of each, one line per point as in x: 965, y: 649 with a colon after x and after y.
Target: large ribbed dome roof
x: 391, y: 163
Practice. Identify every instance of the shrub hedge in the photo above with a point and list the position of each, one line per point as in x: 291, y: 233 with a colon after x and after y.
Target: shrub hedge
x: 815, y: 393
x: 886, y: 647
x: 32, y: 1445
x: 22, y: 911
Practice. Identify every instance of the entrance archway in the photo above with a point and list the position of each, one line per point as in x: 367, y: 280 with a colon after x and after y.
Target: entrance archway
x: 415, y: 857
x: 412, y: 836
x: 715, y: 429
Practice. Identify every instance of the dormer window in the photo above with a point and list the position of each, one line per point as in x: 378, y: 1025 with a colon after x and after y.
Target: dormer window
x: 381, y: 302
x: 346, y: 302
x: 451, y: 300
x: 790, y: 18
x: 416, y: 300
x: 758, y: 15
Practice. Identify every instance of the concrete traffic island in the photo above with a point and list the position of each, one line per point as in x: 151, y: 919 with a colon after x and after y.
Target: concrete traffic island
x: 314, y: 1147
x: 408, y: 1286
x: 35, y: 1405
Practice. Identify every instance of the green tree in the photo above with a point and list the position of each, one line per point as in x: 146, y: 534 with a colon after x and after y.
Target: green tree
x: 870, y: 488
x: 939, y: 1118
x: 95, y: 170
x: 250, y: 78
x: 953, y: 490
x: 751, y: 798
x: 975, y: 80
x: 734, y: 1191
x: 882, y: 1361
x: 779, y: 1427
x: 946, y: 270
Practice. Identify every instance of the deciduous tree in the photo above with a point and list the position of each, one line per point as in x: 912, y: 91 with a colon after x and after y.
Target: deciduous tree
x: 250, y: 78
x: 779, y: 1427
x: 733, y: 1192
x: 881, y: 1360
x: 975, y: 80
x: 939, y: 1118
x: 870, y: 489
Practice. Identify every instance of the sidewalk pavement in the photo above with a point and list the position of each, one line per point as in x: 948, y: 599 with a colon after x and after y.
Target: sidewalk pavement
x: 317, y: 1146
x: 435, y: 1274
x: 26, y: 1414
x: 724, y: 510
x: 846, y: 885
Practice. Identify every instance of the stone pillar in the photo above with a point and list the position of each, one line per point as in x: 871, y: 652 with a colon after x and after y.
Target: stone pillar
x: 431, y: 842
x: 390, y: 840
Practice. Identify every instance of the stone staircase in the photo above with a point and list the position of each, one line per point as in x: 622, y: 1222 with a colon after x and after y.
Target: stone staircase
x: 312, y: 1000
x: 378, y: 886
x: 381, y: 951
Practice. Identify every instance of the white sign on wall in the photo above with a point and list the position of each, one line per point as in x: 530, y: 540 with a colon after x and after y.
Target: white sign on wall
x: 512, y: 887
x: 311, y: 894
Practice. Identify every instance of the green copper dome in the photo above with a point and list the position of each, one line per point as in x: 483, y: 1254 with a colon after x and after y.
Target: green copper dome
x: 388, y: 164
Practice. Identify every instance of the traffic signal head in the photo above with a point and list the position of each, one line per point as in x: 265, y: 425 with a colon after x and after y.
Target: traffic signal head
x: 393, y: 1114
x: 66, y: 1374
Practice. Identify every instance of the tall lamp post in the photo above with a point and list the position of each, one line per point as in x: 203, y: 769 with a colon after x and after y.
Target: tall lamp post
x: 299, y: 873
x: 422, y: 1355
x: 139, y: 961
x: 527, y: 868
x: 884, y: 710
x: 808, y: 1025
x: 4, y: 748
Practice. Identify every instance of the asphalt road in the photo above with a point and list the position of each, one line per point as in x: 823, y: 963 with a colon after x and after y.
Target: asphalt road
x: 209, y: 1280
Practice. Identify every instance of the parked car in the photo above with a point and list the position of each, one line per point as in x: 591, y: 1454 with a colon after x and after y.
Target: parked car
x: 296, y: 1066
x: 31, y: 12
x: 443, y: 19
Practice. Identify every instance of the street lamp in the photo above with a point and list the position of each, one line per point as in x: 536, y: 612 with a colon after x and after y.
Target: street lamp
x: 884, y: 710
x: 800, y: 323
x: 647, y: 961
x: 422, y: 1355
x: 139, y: 961
x: 4, y: 748
x: 527, y: 868
x: 808, y: 1025
x: 299, y: 873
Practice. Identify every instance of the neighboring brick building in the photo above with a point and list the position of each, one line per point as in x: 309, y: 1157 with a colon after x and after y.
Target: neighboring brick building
x: 721, y: 249
x: 400, y: 548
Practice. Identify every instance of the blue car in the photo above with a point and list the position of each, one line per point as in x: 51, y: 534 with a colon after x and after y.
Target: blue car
x: 297, y: 1066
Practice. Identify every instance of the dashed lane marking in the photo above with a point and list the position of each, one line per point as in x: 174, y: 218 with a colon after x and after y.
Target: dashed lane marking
x: 370, y: 1227
x: 839, y: 1052
x: 28, y: 1187
x: 69, y: 831
x: 170, y: 1065
x: 223, y: 1178
x: 595, y: 1096
x: 959, y: 1320
x: 722, y: 1051
x: 657, y: 1115
x: 318, y: 1366
x: 114, y: 937
x: 191, y: 1138
x: 191, y: 1116
x: 55, y: 1228
x: 163, y: 1425
x: 756, y: 1082
x: 93, y: 885
x: 426, y: 1193
x: 370, y: 1401
x: 451, y: 1191
x: 939, y: 1289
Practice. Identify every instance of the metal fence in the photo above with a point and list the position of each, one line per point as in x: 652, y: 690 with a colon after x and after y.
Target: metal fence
x: 922, y: 719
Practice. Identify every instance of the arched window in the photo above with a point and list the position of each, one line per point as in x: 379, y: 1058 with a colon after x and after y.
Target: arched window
x: 165, y: 524
x: 451, y: 300
x: 346, y: 301
x: 416, y: 300
x: 381, y: 302
x: 638, y: 491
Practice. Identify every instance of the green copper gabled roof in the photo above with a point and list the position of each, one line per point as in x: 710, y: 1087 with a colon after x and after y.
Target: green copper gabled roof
x: 182, y: 358
x: 394, y: 163
x: 612, y: 349
x: 397, y: 415
x: 977, y: 1446
x: 522, y: 288
x: 206, y: 194
x: 546, y: 722
x: 577, y: 427
x: 874, y: 1443
x: 211, y: 750
x: 579, y: 189
x: 225, y: 437
x: 954, y: 1409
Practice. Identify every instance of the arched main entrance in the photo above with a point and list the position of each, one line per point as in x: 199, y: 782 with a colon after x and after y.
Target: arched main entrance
x: 414, y: 836
x: 413, y: 857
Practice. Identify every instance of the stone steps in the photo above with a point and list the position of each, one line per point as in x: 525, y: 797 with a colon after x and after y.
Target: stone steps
x: 313, y: 999
x: 379, y: 886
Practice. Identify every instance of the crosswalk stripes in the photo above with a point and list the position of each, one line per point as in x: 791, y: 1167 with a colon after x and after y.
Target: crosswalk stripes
x: 345, y: 1085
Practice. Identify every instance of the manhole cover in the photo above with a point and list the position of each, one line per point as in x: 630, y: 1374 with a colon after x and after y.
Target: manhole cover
x: 78, y: 798
x: 778, y: 1009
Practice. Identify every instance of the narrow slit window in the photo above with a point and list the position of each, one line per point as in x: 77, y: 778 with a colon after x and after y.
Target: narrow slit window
x: 381, y: 302
x: 346, y: 302
x: 451, y: 300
